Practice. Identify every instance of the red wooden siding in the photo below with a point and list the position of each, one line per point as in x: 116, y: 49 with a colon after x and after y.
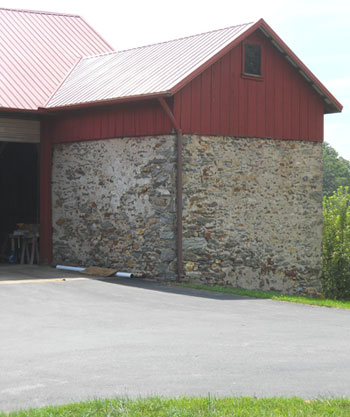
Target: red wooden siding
x: 136, y: 119
x: 281, y: 105
x: 220, y: 101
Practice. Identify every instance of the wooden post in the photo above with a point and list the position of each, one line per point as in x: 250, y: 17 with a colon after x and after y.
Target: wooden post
x: 45, y: 194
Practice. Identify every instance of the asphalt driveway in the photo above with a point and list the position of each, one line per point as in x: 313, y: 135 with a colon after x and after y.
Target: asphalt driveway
x: 70, y: 340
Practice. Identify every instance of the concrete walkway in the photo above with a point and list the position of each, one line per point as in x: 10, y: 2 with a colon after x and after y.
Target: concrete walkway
x: 64, y: 341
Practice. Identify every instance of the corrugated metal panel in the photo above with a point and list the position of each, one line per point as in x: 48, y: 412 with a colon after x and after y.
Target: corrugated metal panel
x: 141, y: 71
x: 37, y: 49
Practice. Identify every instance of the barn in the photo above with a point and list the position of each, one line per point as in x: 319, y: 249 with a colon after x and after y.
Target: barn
x: 195, y: 159
x: 36, y: 52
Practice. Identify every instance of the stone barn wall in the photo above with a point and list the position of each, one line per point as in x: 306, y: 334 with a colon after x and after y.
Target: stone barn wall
x: 113, y: 204
x: 252, y: 213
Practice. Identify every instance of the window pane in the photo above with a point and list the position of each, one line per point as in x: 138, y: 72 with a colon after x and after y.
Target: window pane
x: 252, y: 59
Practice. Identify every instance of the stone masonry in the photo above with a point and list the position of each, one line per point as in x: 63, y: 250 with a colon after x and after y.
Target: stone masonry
x: 252, y: 214
x: 113, y: 204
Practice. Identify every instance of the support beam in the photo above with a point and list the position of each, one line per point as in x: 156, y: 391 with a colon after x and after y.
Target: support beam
x: 177, y: 127
x: 45, y: 195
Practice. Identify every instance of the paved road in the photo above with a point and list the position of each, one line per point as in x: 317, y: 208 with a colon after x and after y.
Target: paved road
x: 65, y: 341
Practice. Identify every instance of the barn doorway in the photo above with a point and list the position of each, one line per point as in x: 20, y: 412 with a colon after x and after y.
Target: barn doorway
x: 19, y: 190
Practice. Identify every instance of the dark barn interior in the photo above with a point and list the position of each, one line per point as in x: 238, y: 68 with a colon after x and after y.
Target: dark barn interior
x: 19, y: 189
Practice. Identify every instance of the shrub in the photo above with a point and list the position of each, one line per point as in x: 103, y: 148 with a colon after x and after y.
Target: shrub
x: 336, y: 170
x: 336, y: 245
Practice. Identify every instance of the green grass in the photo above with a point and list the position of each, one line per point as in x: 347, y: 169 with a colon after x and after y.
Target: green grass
x: 322, y: 302
x: 199, y: 407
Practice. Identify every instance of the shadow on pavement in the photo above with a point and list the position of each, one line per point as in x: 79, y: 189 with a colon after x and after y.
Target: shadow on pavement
x: 170, y: 288
x: 31, y: 273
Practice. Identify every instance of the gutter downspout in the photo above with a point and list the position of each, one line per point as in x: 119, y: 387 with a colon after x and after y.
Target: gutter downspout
x: 166, y: 108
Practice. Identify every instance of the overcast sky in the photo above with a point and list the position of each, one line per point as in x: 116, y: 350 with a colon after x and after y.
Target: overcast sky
x: 318, y: 32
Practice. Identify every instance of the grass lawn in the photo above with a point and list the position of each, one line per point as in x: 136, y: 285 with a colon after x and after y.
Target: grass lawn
x: 322, y: 302
x: 191, y: 407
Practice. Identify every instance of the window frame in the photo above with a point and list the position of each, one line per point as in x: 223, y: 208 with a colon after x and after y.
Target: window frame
x: 254, y: 77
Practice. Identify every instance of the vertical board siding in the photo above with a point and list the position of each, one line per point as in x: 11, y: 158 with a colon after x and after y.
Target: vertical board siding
x: 136, y: 119
x: 225, y: 95
x: 252, y: 109
x: 196, y: 103
x: 215, y: 127
x: 233, y: 88
x: 242, y: 108
x: 260, y: 109
x: 268, y: 103
x: 319, y: 120
x: 186, y: 106
x: 287, y: 111
x: 295, y: 103
x: 281, y: 105
x: 303, y: 115
x: 205, y: 108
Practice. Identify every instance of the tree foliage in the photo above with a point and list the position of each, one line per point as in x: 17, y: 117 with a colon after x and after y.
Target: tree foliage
x: 336, y: 170
x: 336, y: 245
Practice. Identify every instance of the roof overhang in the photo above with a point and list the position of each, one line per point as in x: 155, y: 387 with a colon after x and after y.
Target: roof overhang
x: 118, y: 100
x: 20, y: 113
x: 332, y: 105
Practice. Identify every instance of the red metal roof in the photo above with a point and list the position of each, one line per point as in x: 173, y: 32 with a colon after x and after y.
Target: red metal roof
x: 37, y: 49
x: 164, y: 68
x: 143, y: 71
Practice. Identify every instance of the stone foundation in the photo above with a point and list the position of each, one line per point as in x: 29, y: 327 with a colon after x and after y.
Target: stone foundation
x: 252, y: 213
x: 114, y: 204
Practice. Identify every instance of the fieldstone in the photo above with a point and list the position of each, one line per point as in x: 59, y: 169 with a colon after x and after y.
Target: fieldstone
x: 163, y: 191
x: 253, y: 200
x: 113, y: 219
x: 167, y: 235
x: 189, y: 266
x: 167, y: 255
x: 107, y: 225
x: 194, y: 243
x: 252, y: 209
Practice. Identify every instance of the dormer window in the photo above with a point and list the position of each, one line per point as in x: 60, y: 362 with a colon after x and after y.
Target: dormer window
x: 252, y: 59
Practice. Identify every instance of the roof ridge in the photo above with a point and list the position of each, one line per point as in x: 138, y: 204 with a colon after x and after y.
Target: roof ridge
x: 38, y: 12
x: 103, y: 54
x: 164, y: 42
x: 186, y: 37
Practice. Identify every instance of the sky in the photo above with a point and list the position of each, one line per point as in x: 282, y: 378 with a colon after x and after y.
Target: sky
x: 317, y: 31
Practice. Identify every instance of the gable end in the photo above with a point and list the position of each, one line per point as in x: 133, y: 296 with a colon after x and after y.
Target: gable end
x: 278, y: 104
